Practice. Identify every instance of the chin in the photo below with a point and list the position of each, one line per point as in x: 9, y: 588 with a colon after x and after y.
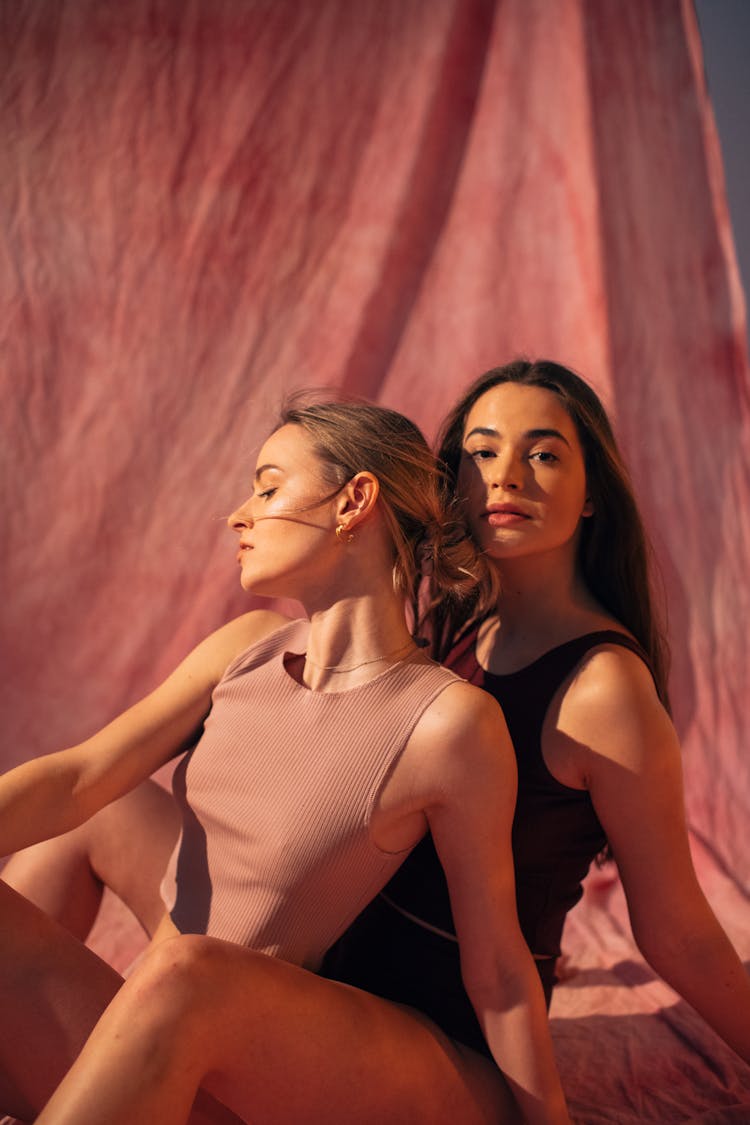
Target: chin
x: 499, y: 550
x: 251, y: 585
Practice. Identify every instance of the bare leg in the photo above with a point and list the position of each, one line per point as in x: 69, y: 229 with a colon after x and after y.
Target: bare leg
x: 125, y: 847
x: 52, y: 991
x: 274, y: 1042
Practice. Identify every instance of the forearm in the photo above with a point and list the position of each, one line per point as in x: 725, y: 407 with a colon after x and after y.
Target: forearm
x: 513, y: 1016
x: 39, y: 799
x: 706, y: 971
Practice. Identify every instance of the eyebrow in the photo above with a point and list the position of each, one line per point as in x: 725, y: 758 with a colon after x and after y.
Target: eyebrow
x: 262, y: 469
x: 530, y: 435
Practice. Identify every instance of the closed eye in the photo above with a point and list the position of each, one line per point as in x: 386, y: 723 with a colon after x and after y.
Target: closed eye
x: 266, y: 494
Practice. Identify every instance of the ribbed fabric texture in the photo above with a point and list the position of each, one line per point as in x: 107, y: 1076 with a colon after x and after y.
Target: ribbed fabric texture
x: 556, y: 832
x: 275, y: 851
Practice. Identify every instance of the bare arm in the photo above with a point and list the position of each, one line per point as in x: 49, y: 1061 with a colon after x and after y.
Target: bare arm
x: 49, y: 795
x: 633, y: 769
x: 474, y: 771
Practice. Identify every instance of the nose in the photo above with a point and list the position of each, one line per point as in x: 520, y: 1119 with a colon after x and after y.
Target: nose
x: 240, y: 518
x: 507, y: 472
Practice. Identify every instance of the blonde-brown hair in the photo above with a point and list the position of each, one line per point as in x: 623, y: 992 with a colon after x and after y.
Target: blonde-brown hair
x: 351, y: 436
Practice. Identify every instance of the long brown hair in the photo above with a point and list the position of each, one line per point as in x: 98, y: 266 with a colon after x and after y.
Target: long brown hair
x: 350, y: 436
x: 614, y: 555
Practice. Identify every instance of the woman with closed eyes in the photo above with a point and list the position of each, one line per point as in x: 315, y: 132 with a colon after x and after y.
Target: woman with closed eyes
x: 572, y: 651
x: 315, y: 755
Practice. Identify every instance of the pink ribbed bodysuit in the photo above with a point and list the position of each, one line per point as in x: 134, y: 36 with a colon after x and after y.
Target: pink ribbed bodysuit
x: 275, y: 851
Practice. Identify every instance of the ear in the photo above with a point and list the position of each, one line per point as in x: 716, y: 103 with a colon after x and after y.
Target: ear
x: 358, y: 498
x: 588, y: 507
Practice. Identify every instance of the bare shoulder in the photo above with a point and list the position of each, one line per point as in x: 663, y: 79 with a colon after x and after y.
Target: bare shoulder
x: 461, y: 738
x: 245, y: 630
x: 221, y: 647
x: 459, y: 710
x: 612, y: 709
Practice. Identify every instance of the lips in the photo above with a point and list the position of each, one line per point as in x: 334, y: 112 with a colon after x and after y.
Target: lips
x: 504, y: 515
x: 513, y: 509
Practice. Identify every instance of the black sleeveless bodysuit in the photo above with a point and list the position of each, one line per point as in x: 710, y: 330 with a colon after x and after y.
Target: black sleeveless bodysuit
x: 403, y: 945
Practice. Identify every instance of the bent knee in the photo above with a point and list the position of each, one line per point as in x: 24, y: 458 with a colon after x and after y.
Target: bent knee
x: 186, y: 985
x: 164, y: 989
x: 194, y: 966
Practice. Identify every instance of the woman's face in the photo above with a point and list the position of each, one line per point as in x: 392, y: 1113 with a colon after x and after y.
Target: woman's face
x: 288, y: 521
x: 522, y: 475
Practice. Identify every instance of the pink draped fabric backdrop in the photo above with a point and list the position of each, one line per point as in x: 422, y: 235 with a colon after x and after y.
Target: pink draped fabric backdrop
x: 205, y: 203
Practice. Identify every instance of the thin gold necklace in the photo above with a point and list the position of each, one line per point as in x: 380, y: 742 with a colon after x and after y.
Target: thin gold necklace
x: 375, y: 660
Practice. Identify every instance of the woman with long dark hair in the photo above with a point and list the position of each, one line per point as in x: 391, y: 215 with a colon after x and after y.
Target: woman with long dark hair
x: 571, y: 647
x: 573, y: 652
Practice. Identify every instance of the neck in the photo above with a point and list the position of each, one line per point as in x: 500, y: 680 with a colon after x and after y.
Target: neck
x: 355, y: 639
x: 542, y: 603
x: 540, y: 594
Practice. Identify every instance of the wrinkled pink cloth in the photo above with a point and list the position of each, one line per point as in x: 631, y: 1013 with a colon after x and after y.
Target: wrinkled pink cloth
x: 207, y: 203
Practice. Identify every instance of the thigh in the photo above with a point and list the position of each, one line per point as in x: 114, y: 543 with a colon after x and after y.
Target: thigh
x: 125, y: 847
x: 52, y: 992
x: 278, y: 1044
x: 131, y: 842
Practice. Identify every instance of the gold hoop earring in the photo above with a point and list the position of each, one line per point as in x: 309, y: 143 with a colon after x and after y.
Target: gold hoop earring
x: 343, y: 535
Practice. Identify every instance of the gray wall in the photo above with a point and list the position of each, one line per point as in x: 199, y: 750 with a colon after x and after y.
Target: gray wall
x: 725, y: 30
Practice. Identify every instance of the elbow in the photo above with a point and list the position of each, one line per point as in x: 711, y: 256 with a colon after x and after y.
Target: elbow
x: 660, y: 959
x: 84, y: 796
x: 679, y: 942
x: 661, y: 945
x: 82, y: 804
x: 501, y: 983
